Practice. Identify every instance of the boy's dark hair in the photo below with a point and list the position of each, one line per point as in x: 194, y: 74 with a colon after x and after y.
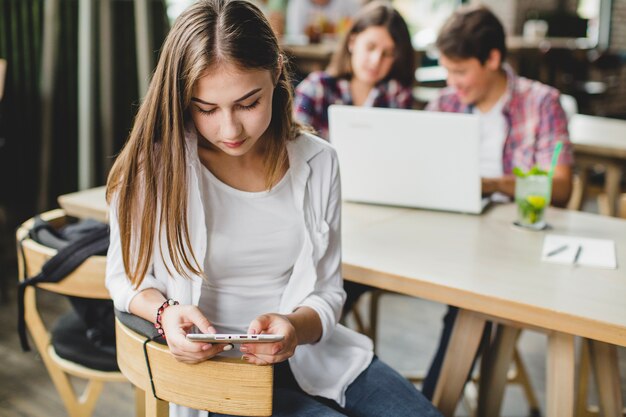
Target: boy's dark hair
x: 472, y: 32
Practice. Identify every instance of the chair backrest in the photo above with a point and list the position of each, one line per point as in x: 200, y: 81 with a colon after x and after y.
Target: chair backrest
x: 569, y: 104
x: 221, y: 385
x: 86, y: 280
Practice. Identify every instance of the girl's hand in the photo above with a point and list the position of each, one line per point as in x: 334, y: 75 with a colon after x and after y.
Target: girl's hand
x: 268, y: 353
x: 177, y: 321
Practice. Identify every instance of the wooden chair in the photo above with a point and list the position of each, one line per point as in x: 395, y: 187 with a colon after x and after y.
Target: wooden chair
x: 604, y: 206
x: 222, y: 385
x: 86, y: 281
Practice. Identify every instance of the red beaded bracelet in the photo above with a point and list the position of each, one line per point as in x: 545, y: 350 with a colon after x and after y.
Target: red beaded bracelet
x: 157, y: 323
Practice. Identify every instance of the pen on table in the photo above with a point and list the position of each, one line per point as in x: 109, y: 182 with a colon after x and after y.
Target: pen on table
x: 578, y: 252
x: 556, y: 251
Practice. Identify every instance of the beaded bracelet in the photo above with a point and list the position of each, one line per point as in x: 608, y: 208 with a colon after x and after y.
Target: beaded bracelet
x: 157, y: 323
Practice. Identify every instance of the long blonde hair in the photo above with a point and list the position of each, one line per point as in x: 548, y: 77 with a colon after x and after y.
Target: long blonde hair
x: 149, y: 176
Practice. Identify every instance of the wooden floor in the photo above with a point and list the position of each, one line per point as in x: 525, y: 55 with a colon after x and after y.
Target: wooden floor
x: 25, y: 388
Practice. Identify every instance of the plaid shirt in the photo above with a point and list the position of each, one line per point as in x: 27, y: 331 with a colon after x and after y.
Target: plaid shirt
x: 536, y: 122
x: 319, y: 90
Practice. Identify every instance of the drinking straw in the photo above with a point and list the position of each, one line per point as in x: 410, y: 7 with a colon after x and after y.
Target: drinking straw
x: 555, y: 159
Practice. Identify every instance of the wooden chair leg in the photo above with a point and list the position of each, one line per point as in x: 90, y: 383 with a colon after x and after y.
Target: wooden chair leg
x: 374, y: 303
x: 604, y: 208
x: 76, y: 405
x: 140, y: 402
x: 612, y: 180
x: 522, y: 378
x: 370, y: 330
x: 360, y: 327
x: 622, y: 206
x: 578, y: 184
x: 155, y: 407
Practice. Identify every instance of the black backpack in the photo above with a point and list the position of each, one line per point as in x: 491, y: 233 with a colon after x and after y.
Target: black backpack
x: 75, y: 243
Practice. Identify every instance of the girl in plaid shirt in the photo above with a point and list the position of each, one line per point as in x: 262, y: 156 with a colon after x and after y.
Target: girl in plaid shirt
x: 374, y: 66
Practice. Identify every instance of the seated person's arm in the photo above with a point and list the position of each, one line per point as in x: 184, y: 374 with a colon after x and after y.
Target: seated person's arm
x: 552, y: 128
x: 504, y: 185
x: 308, y: 325
x: 561, y: 185
x: 177, y: 321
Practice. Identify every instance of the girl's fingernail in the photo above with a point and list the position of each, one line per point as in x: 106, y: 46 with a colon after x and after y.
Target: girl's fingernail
x: 227, y: 347
x: 244, y: 358
x: 243, y: 348
x: 211, y: 330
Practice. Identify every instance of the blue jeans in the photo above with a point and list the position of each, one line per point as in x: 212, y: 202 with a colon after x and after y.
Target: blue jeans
x: 378, y: 392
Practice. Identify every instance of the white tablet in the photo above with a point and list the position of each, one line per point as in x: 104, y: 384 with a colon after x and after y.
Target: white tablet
x: 234, y: 338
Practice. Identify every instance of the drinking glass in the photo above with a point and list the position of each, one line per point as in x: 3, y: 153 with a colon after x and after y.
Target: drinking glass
x: 532, y: 195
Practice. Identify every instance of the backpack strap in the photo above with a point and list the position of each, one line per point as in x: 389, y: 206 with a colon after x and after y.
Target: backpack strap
x: 58, y: 267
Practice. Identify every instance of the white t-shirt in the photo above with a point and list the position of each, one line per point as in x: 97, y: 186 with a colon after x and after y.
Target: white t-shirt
x: 301, y: 13
x: 493, y: 131
x: 254, y: 239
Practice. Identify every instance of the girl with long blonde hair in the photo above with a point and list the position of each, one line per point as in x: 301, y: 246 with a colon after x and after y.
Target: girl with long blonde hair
x: 225, y: 217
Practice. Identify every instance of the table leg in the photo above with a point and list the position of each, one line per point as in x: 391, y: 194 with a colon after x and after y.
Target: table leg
x: 560, y: 375
x: 580, y: 188
x: 464, y: 342
x: 605, y: 366
x: 495, y: 367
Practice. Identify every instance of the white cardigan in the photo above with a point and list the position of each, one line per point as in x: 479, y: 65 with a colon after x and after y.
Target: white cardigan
x: 325, y: 368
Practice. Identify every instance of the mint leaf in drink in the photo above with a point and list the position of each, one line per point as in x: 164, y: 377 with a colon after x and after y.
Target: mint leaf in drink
x: 517, y: 171
x: 537, y: 171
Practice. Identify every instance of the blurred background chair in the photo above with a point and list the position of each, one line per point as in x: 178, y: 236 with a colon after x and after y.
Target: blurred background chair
x: 65, y: 349
x: 600, y: 149
x: 221, y: 385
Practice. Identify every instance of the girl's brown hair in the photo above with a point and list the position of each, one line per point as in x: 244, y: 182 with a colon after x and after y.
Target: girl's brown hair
x: 148, y: 182
x: 378, y: 13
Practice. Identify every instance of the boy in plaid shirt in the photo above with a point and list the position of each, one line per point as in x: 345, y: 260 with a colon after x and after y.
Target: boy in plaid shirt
x: 521, y: 120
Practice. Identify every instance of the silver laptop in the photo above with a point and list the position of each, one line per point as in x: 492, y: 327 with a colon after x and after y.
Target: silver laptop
x: 408, y: 158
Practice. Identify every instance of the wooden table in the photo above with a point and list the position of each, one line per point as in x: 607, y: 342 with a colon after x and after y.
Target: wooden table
x: 490, y: 270
x: 600, y: 140
x: 86, y: 204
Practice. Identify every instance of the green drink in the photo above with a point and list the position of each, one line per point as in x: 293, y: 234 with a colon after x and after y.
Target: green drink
x: 532, y: 195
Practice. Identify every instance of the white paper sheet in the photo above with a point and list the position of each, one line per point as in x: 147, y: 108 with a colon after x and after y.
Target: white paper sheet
x: 597, y: 253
